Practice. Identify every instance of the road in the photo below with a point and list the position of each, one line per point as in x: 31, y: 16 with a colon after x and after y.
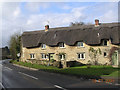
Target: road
x: 17, y: 77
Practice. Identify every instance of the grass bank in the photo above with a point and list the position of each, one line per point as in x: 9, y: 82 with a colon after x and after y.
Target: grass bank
x: 77, y: 71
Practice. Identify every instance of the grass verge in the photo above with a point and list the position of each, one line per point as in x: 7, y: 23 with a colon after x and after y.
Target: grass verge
x: 77, y: 71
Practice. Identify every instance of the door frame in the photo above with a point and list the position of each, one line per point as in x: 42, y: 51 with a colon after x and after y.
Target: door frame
x: 49, y: 55
x: 116, y: 51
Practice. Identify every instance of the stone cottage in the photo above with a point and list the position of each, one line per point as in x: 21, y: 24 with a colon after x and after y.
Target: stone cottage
x: 86, y: 44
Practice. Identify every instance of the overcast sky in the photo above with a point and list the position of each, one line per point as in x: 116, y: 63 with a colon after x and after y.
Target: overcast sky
x: 30, y: 16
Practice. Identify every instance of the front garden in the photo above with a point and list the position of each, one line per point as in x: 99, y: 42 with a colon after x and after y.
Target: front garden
x: 92, y: 70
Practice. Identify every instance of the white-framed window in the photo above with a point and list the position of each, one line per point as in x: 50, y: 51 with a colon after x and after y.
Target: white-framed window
x: 105, y: 42
x: 43, y: 46
x: 105, y: 54
x: 62, y: 56
x: 61, y: 45
x: 80, y: 44
x: 81, y: 55
x: 44, y: 56
x: 32, y: 56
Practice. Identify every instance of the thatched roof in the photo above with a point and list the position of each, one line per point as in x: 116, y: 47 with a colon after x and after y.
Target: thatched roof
x: 89, y: 34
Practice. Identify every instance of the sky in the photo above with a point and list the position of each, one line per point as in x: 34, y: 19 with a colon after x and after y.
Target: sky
x: 18, y: 17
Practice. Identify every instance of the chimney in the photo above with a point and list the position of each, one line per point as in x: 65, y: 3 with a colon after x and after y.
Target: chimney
x: 96, y: 22
x: 46, y: 28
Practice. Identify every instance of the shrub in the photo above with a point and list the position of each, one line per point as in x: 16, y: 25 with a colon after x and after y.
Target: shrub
x: 57, y: 64
x: 74, y: 63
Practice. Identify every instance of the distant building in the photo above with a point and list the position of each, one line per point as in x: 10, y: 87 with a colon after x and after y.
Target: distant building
x: 73, y: 43
x: 4, y: 53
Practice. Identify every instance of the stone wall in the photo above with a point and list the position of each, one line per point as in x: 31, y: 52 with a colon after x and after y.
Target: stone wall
x: 70, y: 52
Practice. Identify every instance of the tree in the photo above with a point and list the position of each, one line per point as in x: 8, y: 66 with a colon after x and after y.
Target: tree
x: 15, y: 45
x: 94, y: 55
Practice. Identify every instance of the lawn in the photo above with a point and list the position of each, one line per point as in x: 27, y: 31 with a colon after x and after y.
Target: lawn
x: 77, y: 71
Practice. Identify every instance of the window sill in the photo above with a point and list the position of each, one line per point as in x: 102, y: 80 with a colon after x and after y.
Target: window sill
x: 81, y: 59
x: 80, y: 47
x: 105, y: 56
x: 43, y: 48
x: 43, y: 58
x: 62, y: 47
x: 31, y: 59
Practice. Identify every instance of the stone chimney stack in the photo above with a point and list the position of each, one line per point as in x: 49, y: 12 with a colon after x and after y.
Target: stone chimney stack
x: 96, y: 22
x: 46, y: 28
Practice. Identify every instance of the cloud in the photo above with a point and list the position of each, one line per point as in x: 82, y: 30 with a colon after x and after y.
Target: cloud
x: 66, y: 7
x: 55, y: 19
x: 109, y: 16
x: 35, y: 6
x: 106, y: 12
x: 110, y: 13
x: 16, y: 12
x: 14, y: 18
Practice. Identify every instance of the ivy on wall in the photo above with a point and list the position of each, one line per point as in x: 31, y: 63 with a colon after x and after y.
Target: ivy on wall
x: 94, y: 53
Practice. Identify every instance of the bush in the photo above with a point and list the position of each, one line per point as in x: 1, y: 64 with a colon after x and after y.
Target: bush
x: 74, y: 63
x: 57, y: 64
x: 11, y: 61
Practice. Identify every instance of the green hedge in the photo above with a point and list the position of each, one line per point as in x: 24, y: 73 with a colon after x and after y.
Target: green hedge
x: 80, y: 70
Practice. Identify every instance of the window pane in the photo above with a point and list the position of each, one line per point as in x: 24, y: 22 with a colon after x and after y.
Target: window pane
x: 79, y: 56
x: 105, y: 42
x: 43, y: 46
x: 61, y: 45
x: 78, y: 44
x: 33, y: 55
x: 60, y: 56
x: 82, y: 55
x: 105, y: 54
x: 81, y: 43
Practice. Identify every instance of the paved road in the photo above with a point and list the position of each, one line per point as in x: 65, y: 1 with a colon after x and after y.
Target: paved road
x: 16, y: 77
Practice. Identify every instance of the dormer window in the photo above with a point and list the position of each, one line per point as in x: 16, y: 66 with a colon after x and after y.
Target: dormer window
x: 105, y: 42
x: 61, y: 45
x: 43, y: 46
x: 80, y: 44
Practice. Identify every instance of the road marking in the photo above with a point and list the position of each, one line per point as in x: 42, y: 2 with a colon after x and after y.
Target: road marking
x: 8, y: 68
x: 28, y: 75
x: 2, y: 86
x: 60, y: 87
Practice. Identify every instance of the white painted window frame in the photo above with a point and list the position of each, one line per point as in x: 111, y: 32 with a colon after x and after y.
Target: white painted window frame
x: 44, y: 56
x: 81, y: 55
x: 80, y: 44
x: 32, y: 56
x: 62, y: 46
x: 104, y: 42
x: 63, y: 58
x: 43, y: 46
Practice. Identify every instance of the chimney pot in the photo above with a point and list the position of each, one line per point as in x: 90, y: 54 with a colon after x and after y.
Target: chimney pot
x: 46, y: 27
x: 96, y: 22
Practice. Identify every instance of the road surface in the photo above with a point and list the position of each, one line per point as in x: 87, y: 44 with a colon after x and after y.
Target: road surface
x: 17, y: 77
